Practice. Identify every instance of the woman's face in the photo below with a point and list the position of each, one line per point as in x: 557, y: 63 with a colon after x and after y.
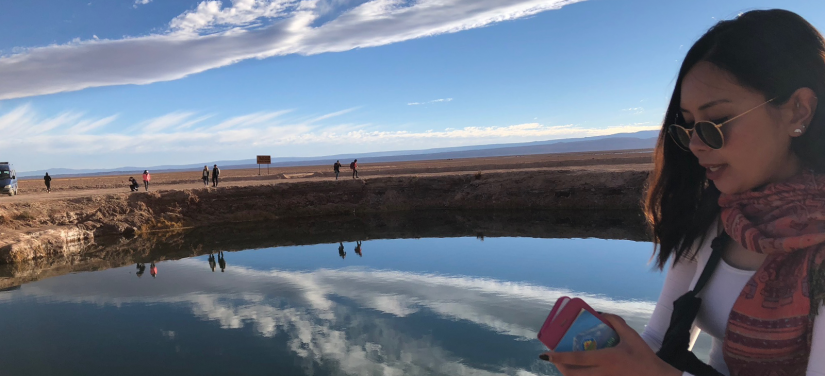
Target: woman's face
x: 757, y: 145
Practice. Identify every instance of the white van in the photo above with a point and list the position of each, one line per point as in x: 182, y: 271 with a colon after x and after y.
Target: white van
x: 8, y: 179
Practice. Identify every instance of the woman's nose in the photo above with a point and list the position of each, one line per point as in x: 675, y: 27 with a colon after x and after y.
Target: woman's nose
x: 696, y: 144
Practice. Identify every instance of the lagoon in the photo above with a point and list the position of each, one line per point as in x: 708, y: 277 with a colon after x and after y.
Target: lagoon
x: 465, y: 305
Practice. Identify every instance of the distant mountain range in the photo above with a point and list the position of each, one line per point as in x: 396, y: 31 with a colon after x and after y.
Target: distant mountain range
x: 622, y: 141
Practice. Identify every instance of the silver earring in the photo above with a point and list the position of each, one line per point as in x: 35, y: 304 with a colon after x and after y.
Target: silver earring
x: 798, y: 131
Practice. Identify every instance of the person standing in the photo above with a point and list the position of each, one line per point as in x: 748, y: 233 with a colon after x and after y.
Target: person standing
x: 212, y: 262
x: 337, y: 168
x: 205, y: 176
x: 354, y: 167
x: 216, y: 172
x: 48, y: 180
x: 221, y: 261
x: 153, y: 270
x: 358, y: 248
x: 141, y: 268
x: 146, y: 178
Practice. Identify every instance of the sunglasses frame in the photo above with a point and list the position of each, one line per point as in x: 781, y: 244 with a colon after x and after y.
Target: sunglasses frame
x: 678, y: 128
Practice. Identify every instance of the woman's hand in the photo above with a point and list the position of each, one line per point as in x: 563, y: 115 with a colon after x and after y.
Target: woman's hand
x: 632, y: 356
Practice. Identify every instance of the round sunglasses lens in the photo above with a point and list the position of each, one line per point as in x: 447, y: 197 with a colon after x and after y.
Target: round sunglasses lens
x: 680, y: 135
x: 710, y: 134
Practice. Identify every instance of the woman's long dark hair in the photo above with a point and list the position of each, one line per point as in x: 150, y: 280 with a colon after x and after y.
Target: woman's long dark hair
x: 774, y: 52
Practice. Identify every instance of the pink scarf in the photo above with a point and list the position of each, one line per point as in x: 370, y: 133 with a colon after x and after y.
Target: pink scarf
x: 769, y: 329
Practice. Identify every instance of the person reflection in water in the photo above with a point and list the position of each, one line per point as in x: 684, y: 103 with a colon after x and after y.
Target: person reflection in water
x: 212, y: 262
x: 221, y: 261
x: 141, y: 267
x: 153, y: 270
x: 341, y: 251
x: 358, y: 249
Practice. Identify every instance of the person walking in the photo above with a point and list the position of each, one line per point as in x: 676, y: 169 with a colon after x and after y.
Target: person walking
x: 146, y: 178
x: 153, y: 270
x: 358, y: 248
x: 354, y: 167
x: 337, y: 168
x: 48, y: 180
x: 221, y: 261
x: 216, y: 172
x: 205, y: 176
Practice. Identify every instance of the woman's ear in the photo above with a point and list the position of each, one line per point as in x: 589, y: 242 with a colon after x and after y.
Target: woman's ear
x: 800, y: 110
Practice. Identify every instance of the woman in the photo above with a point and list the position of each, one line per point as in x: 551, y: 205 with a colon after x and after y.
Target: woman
x: 741, y: 153
x: 146, y: 178
x: 205, y: 176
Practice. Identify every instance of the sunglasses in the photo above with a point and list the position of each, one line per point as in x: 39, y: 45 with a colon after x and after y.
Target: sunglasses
x: 709, y: 132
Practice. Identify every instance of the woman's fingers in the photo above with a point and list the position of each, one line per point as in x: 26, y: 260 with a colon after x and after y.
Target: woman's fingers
x: 579, y: 370
x: 627, y: 335
x: 581, y: 358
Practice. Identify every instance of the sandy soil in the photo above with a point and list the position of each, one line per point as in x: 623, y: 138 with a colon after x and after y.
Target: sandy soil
x: 34, y: 190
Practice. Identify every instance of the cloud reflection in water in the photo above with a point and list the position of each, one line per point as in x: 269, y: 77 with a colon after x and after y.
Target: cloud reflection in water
x: 348, y: 315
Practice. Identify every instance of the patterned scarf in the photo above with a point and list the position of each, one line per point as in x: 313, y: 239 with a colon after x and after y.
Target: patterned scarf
x: 769, y: 330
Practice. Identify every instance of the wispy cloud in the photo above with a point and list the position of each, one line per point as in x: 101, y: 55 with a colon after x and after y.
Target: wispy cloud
x: 432, y: 101
x: 27, y: 132
x: 164, y: 122
x: 212, y: 36
x: 248, y: 120
x: 140, y: 2
x: 333, y: 114
x: 23, y: 122
x: 90, y: 125
x: 635, y: 110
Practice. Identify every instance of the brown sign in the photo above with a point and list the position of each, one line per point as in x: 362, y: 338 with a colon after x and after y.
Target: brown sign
x: 264, y: 159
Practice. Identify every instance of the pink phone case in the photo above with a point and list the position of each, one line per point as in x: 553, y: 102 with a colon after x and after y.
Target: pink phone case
x: 557, y: 323
x: 545, y: 328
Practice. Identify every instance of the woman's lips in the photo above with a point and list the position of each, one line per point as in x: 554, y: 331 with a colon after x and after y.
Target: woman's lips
x: 715, y: 171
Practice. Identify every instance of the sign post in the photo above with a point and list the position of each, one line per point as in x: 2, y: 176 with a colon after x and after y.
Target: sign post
x: 264, y: 159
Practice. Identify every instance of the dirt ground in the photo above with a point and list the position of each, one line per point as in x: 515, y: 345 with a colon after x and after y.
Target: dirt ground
x: 34, y: 190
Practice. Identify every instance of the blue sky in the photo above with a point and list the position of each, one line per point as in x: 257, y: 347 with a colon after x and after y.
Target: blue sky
x: 99, y: 84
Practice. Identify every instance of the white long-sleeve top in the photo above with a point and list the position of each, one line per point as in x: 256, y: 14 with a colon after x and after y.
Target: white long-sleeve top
x: 718, y: 297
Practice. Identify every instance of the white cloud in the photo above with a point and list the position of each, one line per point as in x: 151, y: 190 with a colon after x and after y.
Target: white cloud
x: 212, y: 36
x: 137, y: 2
x: 432, y: 101
x: 635, y: 110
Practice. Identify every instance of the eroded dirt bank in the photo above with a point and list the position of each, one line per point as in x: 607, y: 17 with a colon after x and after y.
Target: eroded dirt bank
x: 172, y: 245
x: 60, y: 228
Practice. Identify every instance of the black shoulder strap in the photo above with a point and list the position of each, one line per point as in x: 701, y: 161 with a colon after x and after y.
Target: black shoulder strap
x: 717, y: 245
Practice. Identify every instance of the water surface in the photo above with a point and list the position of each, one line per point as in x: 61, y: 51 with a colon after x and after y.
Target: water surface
x: 447, y: 306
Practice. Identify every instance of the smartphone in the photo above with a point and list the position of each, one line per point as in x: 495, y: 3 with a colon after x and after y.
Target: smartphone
x: 573, y: 326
